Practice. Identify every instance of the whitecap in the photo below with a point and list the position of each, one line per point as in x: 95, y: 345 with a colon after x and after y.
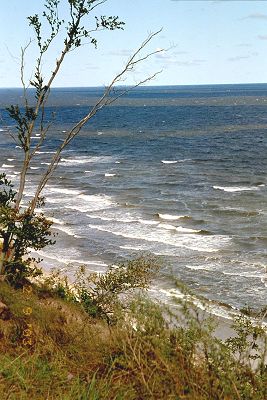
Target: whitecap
x: 171, y: 217
x: 187, y: 230
x: 108, y: 174
x: 63, y: 190
x: 8, y: 166
x: 68, y: 231
x: 45, y: 152
x: 34, y: 168
x: 166, y: 226
x: 168, y: 162
x: 70, y: 260
x: 235, y: 188
x: 148, y: 222
x: 192, y: 242
x: 56, y: 221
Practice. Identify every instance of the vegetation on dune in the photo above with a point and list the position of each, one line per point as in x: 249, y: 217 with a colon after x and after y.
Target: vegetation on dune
x: 92, y: 340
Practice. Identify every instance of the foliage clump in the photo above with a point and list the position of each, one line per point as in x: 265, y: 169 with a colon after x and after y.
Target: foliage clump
x: 20, y: 231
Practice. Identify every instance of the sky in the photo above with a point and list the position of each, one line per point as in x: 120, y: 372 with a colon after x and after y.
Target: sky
x: 206, y: 42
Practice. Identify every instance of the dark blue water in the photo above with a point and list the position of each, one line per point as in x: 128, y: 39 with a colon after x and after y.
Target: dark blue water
x: 176, y: 171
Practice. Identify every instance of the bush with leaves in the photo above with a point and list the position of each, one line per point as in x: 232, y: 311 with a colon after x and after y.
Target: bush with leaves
x: 20, y: 231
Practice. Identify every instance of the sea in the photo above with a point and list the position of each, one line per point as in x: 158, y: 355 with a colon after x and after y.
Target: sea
x: 175, y: 171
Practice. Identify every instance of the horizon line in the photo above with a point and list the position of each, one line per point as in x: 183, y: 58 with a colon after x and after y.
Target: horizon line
x: 142, y: 86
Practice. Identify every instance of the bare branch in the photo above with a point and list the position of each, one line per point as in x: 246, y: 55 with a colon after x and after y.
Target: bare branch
x: 104, y: 100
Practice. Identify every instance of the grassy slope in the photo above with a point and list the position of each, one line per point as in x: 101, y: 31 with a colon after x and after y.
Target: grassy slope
x: 73, y: 356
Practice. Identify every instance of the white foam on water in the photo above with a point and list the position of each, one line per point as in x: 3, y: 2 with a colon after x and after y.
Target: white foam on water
x: 8, y: 166
x: 236, y: 188
x: 88, y: 203
x: 34, y: 167
x: 204, y: 267
x: 167, y: 226
x: 70, y: 260
x: 106, y: 218
x: 11, y: 176
x: 45, y: 163
x: 148, y: 222
x: 45, y: 152
x: 85, y: 160
x: 10, y: 159
x: 109, y: 175
x: 210, y: 307
x: 187, y: 230
x: 171, y: 217
x: 56, y: 221
x: 63, y: 190
x: 73, y: 161
x: 68, y: 231
x: 194, y: 242
x: 18, y: 147
x: 137, y: 248
x: 168, y: 162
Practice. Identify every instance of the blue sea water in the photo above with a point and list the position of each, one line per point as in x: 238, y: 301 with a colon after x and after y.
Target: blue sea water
x: 178, y: 171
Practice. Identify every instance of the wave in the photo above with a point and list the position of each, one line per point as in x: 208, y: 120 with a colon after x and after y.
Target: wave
x: 237, y: 212
x: 236, y: 188
x: 148, y: 222
x: 168, y: 162
x: 45, y: 152
x: 56, y: 221
x: 10, y: 159
x: 108, y: 174
x: 166, y: 226
x: 34, y: 167
x: 73, y: 161
x: 68, y: 231
x: 89, y: 203
x: 70, y: 260
x: 220, y: 310
x: 85, y: 160
x: 8, y: 166
x: 188, y: 230
x: 105, y: 218
x: 137, y: 248
x: 63, y: 190
x: 171, y: 217
x: 193, y: 242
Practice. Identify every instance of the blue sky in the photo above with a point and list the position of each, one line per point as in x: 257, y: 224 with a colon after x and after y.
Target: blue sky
x: 210, y: 42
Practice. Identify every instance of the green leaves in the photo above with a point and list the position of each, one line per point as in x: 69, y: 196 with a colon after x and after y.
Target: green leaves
x: 110, y: 23
x: 23, y: 120
x: 20, y: 231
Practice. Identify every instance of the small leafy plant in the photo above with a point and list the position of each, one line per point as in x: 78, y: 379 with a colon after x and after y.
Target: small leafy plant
x: 20, y: 231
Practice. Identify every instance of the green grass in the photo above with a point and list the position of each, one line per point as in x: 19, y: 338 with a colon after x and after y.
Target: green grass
x: 74, y: 356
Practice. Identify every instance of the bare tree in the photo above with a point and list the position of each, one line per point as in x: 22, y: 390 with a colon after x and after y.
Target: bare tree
x: 31, y: 119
